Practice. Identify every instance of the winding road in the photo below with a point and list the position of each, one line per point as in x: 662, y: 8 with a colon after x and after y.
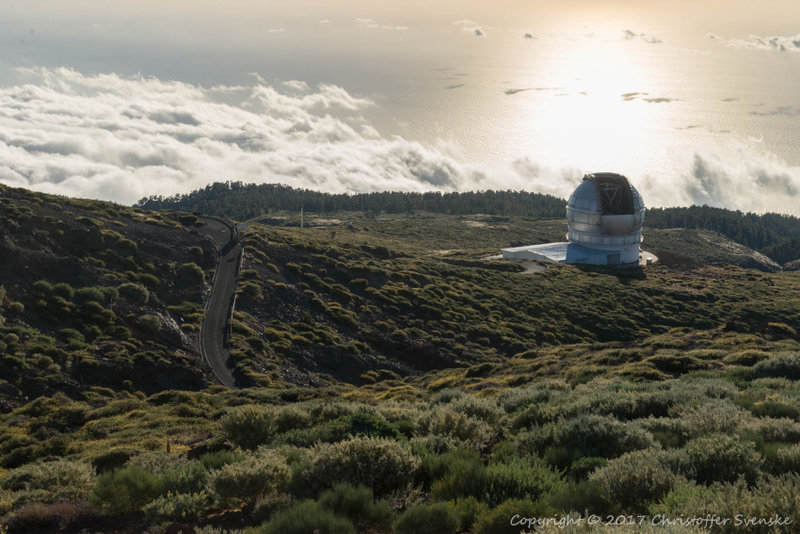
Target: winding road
x: 214, y: 330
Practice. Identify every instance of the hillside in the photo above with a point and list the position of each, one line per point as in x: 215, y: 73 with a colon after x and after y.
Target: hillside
x: 401, y: 294
x: 397, y: 378
x: 97, y: 294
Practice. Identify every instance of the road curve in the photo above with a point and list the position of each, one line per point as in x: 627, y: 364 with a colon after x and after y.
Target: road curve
x: 214, y: 330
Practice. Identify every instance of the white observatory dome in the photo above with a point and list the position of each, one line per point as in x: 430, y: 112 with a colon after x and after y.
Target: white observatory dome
x: 606, y: 213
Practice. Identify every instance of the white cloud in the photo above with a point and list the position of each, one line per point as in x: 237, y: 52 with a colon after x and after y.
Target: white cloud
x: 297, y: 85
x: 371, y: 24
x: 775, y: 42
x: 470, y: 26
x: 628, y: 35
x: 120, y: 139
x: 734, y: 174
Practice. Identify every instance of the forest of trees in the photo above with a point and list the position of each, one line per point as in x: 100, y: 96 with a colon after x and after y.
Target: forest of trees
x: 244, y: 201
x: 773, y: 234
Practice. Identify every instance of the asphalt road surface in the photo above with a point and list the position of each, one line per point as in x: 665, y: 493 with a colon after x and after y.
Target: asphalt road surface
x: 214, y: 331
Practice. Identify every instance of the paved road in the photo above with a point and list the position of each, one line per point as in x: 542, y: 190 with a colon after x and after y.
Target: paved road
x: 214, y: 331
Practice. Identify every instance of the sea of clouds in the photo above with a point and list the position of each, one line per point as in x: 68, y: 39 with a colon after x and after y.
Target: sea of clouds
x: 119, y: 138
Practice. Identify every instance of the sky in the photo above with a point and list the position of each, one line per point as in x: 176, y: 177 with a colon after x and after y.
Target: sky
x: 696, y: 104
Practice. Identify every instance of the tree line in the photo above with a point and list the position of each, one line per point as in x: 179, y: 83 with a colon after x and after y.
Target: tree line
x: 244, y: 201
x: 772, y: 234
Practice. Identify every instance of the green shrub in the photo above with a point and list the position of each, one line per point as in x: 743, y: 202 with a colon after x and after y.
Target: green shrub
x: 443, y: 420
x: 357, y: 503
x: 191, y: 271
x: 216, y: 459
x: 63, y: 479
x: 181, y: 507
x: 722, y: 458
x: 55, y: 517
x: 582, y: 496
x: 135, y: 293
x: 774, y: 496
x: 783, y: 365
x: 775, y: 409
x: 381, y: 464
x: 305, y: 518
x: 149, y: 323
x: 245, y: 481
x: 520, y: 479
x: 249, y: 426
x: 89, y: 294
x: 126, y: 490
x: 187, y: 478
x: 291, y: 417
x: 788, y: 459
x: 586, y: 435
x: 465, y: 476
x: 456, y: 474
x: 439, y: 518
x: 635, y: 479
x: 481, y: 408
x: 63, y: 290
x: 112, y: 459
x: 511, y: 517
x: 469, y: 509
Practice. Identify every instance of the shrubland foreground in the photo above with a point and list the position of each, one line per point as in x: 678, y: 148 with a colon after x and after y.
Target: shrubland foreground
x: 397, y: 381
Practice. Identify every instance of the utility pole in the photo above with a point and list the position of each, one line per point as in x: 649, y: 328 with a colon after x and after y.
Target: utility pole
x: 301, y: 216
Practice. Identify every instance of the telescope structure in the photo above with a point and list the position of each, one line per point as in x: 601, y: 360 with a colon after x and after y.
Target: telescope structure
x: 605, y: 215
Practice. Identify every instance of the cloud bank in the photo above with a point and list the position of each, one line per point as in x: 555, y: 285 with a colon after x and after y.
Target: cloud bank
x: 775, y: 42
x: 371, y: 24
x: 121, y: 139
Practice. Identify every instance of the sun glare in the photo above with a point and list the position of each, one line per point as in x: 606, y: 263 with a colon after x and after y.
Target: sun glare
x: 602, y: 106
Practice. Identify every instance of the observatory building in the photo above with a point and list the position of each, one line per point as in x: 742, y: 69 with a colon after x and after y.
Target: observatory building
x: 604, y: 225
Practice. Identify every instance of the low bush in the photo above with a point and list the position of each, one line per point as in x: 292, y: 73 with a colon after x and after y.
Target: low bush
x: 635, y: 479
x: 774, y: 496
x: 511, y: 517
x: 443, y: 420
x: 439, y: 518
x: 126, y: 490
x: 783, y: 365
x: 520, y: 479
x: 721, y: 458
x: 135, y: 293
x: 249, y: 426
x: 243, y: 482
x: 381, y: 464
x: 305, y: 518
x: 149, y: 323
x: 788, y: 459
x: 63, y: 479
x: 182, y: 507
x: 357, y: 503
